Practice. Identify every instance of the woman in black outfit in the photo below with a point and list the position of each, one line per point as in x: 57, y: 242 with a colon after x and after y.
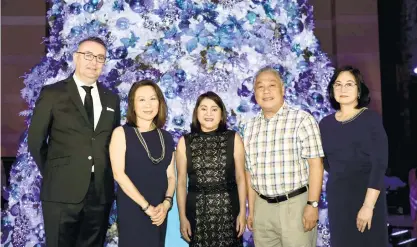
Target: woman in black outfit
x: 213, y: 211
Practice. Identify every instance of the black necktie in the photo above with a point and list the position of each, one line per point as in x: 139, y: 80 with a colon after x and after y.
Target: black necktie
x: 88, y: 104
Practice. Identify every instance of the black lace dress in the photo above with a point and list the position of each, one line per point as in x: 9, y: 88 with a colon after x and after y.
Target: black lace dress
x: 212, y: 200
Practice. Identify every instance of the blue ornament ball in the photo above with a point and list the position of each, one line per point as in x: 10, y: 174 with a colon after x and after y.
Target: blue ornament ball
x: 89, y: 8
x: 75, y: 8
x: 181, y: 75
x: 103, y: 31
x: 170, y: 92
x: 122, y: 23
x: 28, y: 198
x: 40, y: 231
x: 94, y: 2
x: 296, y: 26
x: 136, y: 6
x: 315, y: 100
x: 286, y: 38
x: 15, y: 210
x: 75, y: 31
x: 166, y: 80
x: 179, y: 121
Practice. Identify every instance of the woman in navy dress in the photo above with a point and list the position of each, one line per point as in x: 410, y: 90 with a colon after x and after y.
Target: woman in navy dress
x: 213, y: 211
x: 142, y: 160
x: 356, y: 150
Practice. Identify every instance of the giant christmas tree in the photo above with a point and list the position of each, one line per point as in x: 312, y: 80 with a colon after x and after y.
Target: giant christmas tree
x: 188, y: 47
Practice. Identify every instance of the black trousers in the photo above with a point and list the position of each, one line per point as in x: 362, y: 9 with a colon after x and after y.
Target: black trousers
x: 76, y: 225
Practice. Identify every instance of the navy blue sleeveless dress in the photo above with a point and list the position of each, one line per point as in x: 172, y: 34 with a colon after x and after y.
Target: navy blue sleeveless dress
x: 135, y: 227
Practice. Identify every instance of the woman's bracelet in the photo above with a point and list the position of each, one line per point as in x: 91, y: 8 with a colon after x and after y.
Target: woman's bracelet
x: 146, y: 208
x: 168, y: 199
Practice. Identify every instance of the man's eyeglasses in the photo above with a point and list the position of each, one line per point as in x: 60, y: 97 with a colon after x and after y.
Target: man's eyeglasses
x: 89, y: 56
x: 348, y: 86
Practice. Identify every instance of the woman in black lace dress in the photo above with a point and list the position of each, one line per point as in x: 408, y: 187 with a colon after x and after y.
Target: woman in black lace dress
x: 213, y: 211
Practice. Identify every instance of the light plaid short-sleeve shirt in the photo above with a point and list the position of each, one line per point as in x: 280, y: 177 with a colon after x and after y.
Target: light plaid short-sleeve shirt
x: 277, y: 150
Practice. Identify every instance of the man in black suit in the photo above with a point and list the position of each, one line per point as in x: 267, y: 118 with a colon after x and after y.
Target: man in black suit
x: 69, y: 139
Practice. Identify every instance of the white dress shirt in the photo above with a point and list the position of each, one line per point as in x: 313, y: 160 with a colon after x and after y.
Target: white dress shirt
x: 96, y: 100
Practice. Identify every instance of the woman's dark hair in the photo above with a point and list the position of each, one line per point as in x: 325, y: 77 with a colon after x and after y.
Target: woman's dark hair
x: 195, y: 125
x: 160, y: 118
x: 363, y: 99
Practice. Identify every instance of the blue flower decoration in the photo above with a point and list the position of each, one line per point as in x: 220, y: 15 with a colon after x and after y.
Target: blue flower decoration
x: 130, y: 42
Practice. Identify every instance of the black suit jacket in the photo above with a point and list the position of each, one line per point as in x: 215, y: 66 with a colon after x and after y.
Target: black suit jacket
x: 65, y: 146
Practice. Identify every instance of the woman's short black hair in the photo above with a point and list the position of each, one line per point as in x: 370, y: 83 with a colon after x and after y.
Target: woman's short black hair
x: 195, y: 125
x: 363, y: 90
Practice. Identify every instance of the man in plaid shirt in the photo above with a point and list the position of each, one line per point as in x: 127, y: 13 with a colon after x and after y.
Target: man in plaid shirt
x: 284, y: 168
